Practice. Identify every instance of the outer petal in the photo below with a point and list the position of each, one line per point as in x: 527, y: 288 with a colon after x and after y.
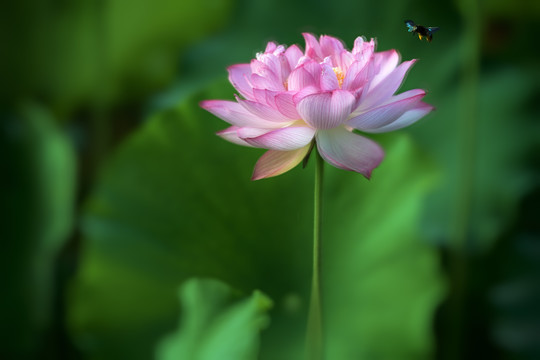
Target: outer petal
x: 406, y: 119
x: 326, y: 110
x: 263, y: 111
x: 231, y: 134
x: 236, y: 114
x: 385, y: 114
x: 385, y: 62
x: 387, y: 86
x: 274, y: 163
x: 349, y: 151
x: 289, y: 138
x: 238, y: 76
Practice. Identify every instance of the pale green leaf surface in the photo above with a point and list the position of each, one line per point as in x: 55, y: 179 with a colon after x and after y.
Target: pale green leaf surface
x: 176, y: 202
x: 382, y: 278
x: 213, y: 327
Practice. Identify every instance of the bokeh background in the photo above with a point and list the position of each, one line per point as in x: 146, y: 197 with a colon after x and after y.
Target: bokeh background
x: 116, y: 191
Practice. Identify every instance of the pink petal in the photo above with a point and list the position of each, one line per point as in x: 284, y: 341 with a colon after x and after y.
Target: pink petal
x: 265, y: 76
x: 270, y: 47
x: 387, y: 113
x: 238, y: 76
x: 326, y: 110
x: 363, y: 50
x: 387, y: 86
x: 330, y: 46
x: 236, y: 114
x: 285, y: 104
x: 309, y: 90
x: 274, y: 163
x: 406, y: 119
x: 349, y: 151
x: 279, y: 50
x: 260, y: 82
x: 231, y: 134
x: 289, y: 138
x: 355, y: 77
x: 273, y: 65
x: 264, y: 97
x: 385, y: 63
x: 263, y: 111
x: 344, y: 60
x: 249, y: 132
x: 282, y: 101
x: 328, y: 78
x: 293, y: 55
x: 313, y: 49
x: 304, y: 76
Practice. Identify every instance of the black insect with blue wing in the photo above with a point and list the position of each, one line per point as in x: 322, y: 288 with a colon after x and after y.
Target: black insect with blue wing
x: 421, y: 31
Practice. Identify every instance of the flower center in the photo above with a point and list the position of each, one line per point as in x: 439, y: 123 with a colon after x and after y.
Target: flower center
x: 340, y: 76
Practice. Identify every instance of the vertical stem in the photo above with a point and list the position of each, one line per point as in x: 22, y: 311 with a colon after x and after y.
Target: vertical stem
x: 314, y: 339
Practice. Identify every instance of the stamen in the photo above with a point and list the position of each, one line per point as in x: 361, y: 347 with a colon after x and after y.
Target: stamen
x: 340, y: 76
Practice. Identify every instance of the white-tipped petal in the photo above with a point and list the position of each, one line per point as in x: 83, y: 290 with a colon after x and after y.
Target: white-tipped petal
x: 409, y: 117
x: 387, y: 113
x: 231, y: 134
x: 381, y: 91
x: 289, y: 138
x: 235, y: 114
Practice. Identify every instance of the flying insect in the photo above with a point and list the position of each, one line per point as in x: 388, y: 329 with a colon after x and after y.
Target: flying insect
x: 421, y: 31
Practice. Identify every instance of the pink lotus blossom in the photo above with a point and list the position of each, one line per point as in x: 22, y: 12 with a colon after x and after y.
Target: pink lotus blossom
x: 291, y: 98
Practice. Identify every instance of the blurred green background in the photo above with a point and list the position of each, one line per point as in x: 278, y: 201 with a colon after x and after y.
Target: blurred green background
x: 119, y: 203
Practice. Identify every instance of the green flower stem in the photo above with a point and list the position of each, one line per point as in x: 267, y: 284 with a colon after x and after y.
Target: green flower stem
x: 314, y: 339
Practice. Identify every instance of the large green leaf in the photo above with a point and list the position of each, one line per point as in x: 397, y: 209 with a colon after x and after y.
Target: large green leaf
x: 176, y: 202
x: 383, y: 283
x: 212, y: 328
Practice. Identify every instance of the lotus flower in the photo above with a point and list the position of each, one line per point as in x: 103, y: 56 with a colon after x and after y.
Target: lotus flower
x: 291, y: 100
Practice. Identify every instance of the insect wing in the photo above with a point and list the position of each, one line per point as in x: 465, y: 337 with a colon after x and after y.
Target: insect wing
x: 433, y: 29
x: 411, y: 26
